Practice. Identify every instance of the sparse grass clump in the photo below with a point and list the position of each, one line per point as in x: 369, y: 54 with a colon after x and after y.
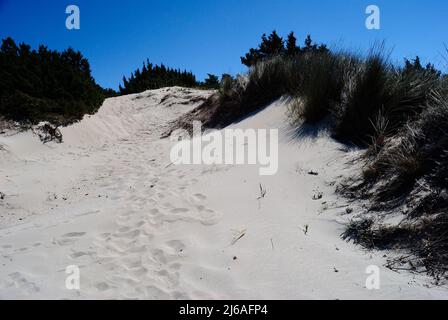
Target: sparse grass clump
x: 417, y: 150
x: 409, y: 174
x: 369, y: 94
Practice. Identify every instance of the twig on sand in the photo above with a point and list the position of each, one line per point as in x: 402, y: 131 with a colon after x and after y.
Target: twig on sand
x: 170, y: 164
x: 305, y: 229
x: 262, y: 195
x: 262, y: 192
x: 272, y: 244
x: 238, y: 236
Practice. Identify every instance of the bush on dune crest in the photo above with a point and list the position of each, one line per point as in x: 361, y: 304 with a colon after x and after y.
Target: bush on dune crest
x: 273, y: 72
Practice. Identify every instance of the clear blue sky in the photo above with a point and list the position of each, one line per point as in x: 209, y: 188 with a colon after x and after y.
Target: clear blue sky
x: 209, y: 36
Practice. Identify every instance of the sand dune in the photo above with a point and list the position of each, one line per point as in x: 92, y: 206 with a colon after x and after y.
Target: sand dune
x: 108, y: 201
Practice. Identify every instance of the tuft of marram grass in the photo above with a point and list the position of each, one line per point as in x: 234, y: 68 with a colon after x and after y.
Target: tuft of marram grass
x: 323, y: 81
x: 369, y: 94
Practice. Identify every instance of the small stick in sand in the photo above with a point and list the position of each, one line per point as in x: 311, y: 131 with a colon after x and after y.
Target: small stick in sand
x: 169, y: 165
x: 262, y: 195
x: 238, y: 236
x: 305, y: 229
x: 262, y: 192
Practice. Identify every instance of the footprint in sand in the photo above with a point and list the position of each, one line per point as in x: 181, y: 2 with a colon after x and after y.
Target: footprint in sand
x: 104, y: 236
x: 19, y: 281
x: 128, y: 235
x: 176, y: 245
x: 140, y: 224
x: 102, y: 286
x: 124, y: 229
x: 200, y: 196
x: 68, y: 238
x: 179, y: 210
x: 156, y: 293
x: 175, y: 266
x: 80, y: 254
x: 73, y: 235
x: 159, y: 256
x: 209, y: 217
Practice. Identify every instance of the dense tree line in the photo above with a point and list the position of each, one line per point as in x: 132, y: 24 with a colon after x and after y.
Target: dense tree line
x: 274, y: 45
x: 415, y: 66
x: 46, y: 85
x: 154, y: 77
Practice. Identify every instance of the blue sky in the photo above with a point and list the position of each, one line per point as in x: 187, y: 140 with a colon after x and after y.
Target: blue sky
x: 210, y: 36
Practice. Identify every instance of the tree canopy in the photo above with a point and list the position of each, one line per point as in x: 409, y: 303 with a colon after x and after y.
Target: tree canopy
x: 154, y: 77
x: 274, y: 45
x: 46, y: 85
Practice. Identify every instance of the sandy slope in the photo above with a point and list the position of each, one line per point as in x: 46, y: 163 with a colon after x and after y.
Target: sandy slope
x: 108, y: 201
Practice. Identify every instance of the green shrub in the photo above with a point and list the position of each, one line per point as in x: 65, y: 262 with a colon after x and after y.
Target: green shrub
x: 154, y: 77
x: 45, y: 85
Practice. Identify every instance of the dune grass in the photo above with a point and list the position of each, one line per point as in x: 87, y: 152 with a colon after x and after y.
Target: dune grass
x: 398, y: 114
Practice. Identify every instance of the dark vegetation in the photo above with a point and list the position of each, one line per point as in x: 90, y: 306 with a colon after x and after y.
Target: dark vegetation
x: 154, y: 77
x: 46, y: 85
x: 399, y: 114
x: 274, y: 45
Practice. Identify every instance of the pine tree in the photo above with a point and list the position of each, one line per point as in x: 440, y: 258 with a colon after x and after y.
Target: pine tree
x: 291, y: 44
x: 308, y: 43
x: 251, y: 58
x: 273, y: 46
x: 269, y: 47
x: 211, y: 82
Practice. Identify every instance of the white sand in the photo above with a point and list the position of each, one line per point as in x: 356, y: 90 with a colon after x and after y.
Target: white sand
x: 107, y: 201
